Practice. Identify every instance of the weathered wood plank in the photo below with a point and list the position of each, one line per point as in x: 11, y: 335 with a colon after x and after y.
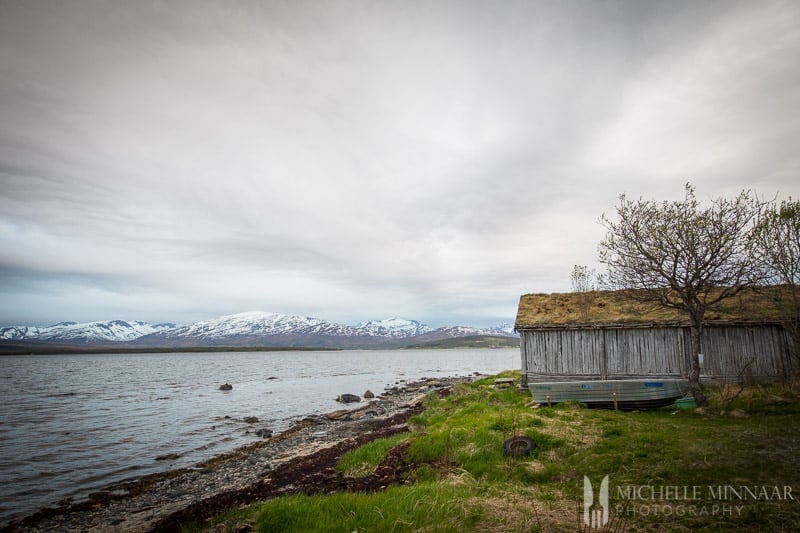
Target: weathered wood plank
x: 730, y: 351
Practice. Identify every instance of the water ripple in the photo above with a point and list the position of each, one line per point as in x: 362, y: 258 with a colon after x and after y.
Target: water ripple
x: 72, y: 424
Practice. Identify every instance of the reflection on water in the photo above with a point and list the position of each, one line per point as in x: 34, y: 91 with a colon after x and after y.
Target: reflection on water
x: 71, y: 424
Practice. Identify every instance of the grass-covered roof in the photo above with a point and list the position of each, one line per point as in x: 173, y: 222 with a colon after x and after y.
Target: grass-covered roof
x: 608, y: 308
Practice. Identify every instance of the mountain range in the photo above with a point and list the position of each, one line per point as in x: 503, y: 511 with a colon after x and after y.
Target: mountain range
x: 255, y: 328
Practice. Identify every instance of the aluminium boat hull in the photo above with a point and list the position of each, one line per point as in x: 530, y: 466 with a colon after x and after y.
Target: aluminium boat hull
x: 626, y: 394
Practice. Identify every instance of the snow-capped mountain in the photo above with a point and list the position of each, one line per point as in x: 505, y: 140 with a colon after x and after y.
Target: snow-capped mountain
x: 276, y: 329
x: 465, y: 331
x: 254, y: 328
x: 394, y: 327
x: 250, y: 323
x: 505, y: 328
x: 259, y: 323
x: 71, y: 332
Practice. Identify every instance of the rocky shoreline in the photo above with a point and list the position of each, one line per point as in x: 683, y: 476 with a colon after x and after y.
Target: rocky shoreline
x: 302, y: 459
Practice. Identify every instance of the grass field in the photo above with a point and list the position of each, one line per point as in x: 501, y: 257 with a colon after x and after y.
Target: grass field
x: 731, y: 468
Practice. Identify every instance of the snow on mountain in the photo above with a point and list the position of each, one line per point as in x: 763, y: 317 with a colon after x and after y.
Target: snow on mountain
x: 260, y: 323
x: 251, y: 328
x: 254, y: 323
x: 506, y: 328
x: 256, y: 328
x: 393, y: 327
x: 468, y: 331
x: 107, y: 331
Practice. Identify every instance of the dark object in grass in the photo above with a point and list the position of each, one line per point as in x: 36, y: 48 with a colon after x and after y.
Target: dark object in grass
x: 518, y: 446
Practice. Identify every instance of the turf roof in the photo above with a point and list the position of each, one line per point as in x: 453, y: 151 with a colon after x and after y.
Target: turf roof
x: 604, y: 308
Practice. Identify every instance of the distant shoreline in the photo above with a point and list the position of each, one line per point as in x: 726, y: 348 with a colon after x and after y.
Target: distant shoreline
x: 29, y: 349
x: 17, y: 348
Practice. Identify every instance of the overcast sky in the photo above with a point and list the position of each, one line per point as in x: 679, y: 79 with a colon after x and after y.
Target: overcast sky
x: 356, y: 160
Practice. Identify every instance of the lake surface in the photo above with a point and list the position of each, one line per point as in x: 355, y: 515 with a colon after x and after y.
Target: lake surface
x: 72, y: 424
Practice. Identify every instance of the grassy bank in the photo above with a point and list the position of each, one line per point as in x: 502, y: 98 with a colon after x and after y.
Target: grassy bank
x: 732, y: 468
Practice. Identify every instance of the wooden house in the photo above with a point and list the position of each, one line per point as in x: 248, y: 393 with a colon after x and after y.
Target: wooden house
x: 609, y: 335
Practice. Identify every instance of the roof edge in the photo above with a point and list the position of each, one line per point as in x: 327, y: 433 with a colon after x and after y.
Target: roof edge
x: 648, y: 324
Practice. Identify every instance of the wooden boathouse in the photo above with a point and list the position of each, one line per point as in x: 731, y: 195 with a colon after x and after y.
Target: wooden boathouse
x: 609, y: 335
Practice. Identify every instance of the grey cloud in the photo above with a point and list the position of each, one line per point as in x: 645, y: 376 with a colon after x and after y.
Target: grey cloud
x: 366, y: 159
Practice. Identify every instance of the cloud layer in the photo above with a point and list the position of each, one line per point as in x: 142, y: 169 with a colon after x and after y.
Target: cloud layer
x: 355, y: 160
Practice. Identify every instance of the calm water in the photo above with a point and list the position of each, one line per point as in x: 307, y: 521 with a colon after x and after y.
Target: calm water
x: 72, y: 424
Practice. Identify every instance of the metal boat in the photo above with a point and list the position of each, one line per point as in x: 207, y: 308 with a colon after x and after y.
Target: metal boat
x: 624, y: 394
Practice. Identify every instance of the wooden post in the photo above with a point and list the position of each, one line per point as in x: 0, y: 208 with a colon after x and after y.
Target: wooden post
x: 548, y: 400
x: 616, y: 405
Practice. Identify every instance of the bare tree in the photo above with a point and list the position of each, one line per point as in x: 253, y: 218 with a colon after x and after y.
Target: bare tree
x: 778, y: 248
x: 582, y: 278
x: 583, y: 282
x: 683, y: 255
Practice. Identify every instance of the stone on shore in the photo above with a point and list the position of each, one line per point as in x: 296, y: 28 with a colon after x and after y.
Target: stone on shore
x: 337, y: 415
x: 413, y: 402
x: 369, y: 394
x: 348, y: 398
x: 264, y: 433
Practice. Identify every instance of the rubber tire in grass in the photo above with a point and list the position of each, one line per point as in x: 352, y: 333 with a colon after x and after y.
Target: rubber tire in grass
x: 518, y: 446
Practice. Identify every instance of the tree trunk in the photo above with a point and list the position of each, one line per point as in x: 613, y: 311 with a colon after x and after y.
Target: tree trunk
x: 696, y: 331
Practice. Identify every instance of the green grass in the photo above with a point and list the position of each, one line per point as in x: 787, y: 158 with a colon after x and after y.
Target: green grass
x: 363, y: 460
x: 464, y: 482
x: 457, y: 505
x: 395, y: 509
x: 468, y: 428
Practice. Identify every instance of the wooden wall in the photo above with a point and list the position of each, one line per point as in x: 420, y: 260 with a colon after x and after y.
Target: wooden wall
x: 760, y: 351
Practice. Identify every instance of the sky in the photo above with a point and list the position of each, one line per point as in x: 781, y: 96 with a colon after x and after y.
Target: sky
x: 357, y: 160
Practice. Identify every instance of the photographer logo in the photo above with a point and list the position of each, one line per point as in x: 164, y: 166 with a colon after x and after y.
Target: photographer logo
x: 595, y: 514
